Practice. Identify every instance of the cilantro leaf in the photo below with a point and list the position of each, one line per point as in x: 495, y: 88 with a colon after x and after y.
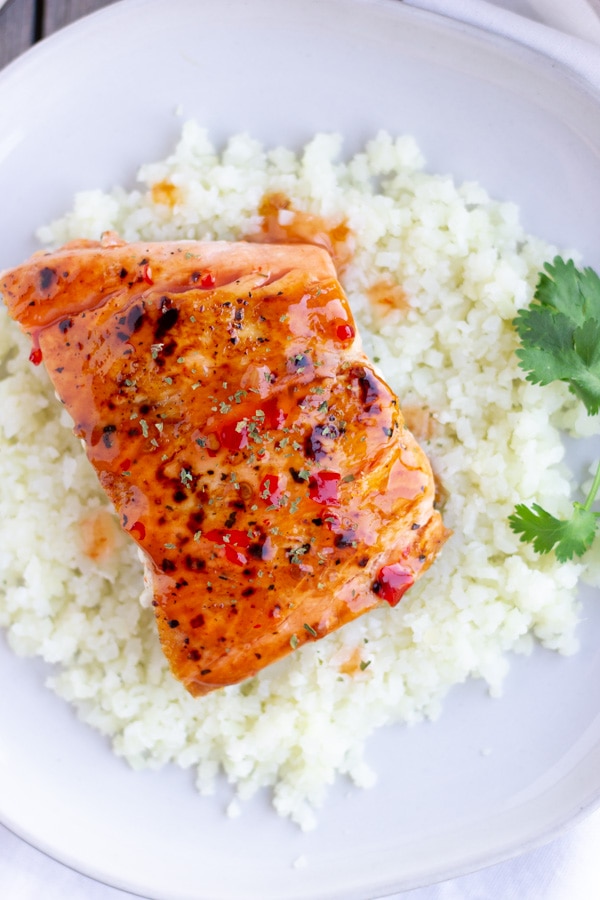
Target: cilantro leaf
x: 586, y: 383
x: 560, y: 332
x: 568, y: 538
x: 570, y: 291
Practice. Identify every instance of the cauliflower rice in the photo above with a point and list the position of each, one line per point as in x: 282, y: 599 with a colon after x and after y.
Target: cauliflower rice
x: 465, y: 267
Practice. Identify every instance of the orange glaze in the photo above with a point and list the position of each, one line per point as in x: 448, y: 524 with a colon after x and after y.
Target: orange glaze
x: 242, y: 436
x: 388, y: 295
x: 97, y: 533
x: 165, y: 193
x: 352, y: 665
x: 282, y: 224
x: 420, y: 422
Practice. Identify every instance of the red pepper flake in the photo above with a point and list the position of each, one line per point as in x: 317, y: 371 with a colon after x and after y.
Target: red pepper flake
x: 235, y: 556
x: 274, y: 416
x: 125, y: 465
x: 138, y: 531
x: 208, y: 280
x: 392, y: 582
x: 345, y: 332
x: 147, y: 274
x: 332, y: 521
x: 231, y: 540
x: 234, y: 436
x: 323, y: 487
x: 228, y: 536
x: 271, y: 489
x: 35, y: 356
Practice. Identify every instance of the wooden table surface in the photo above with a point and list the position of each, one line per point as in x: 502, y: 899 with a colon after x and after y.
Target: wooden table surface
x: 23, y: 22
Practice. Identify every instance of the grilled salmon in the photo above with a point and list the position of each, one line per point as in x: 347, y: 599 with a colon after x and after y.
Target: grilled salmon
x: 247, y: 444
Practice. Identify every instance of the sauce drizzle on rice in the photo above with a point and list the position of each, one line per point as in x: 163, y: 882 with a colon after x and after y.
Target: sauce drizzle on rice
x: 283, y: 224
x: 165, y: 193
x: 97, y: 533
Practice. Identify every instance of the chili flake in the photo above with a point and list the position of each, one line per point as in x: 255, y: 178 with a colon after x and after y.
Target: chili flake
x: 323, y: 487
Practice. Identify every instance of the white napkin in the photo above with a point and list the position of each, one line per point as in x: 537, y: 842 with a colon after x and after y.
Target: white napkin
x: 578, y: 17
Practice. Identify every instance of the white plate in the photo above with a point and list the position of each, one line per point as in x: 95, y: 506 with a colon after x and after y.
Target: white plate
x: 83, y: 109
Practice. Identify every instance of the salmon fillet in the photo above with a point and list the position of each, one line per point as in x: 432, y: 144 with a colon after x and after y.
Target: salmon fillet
x: 246, y: 442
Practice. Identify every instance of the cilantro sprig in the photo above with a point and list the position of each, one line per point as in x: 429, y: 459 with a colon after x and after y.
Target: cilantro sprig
x: 567, y: 537
x: 560, y: 341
